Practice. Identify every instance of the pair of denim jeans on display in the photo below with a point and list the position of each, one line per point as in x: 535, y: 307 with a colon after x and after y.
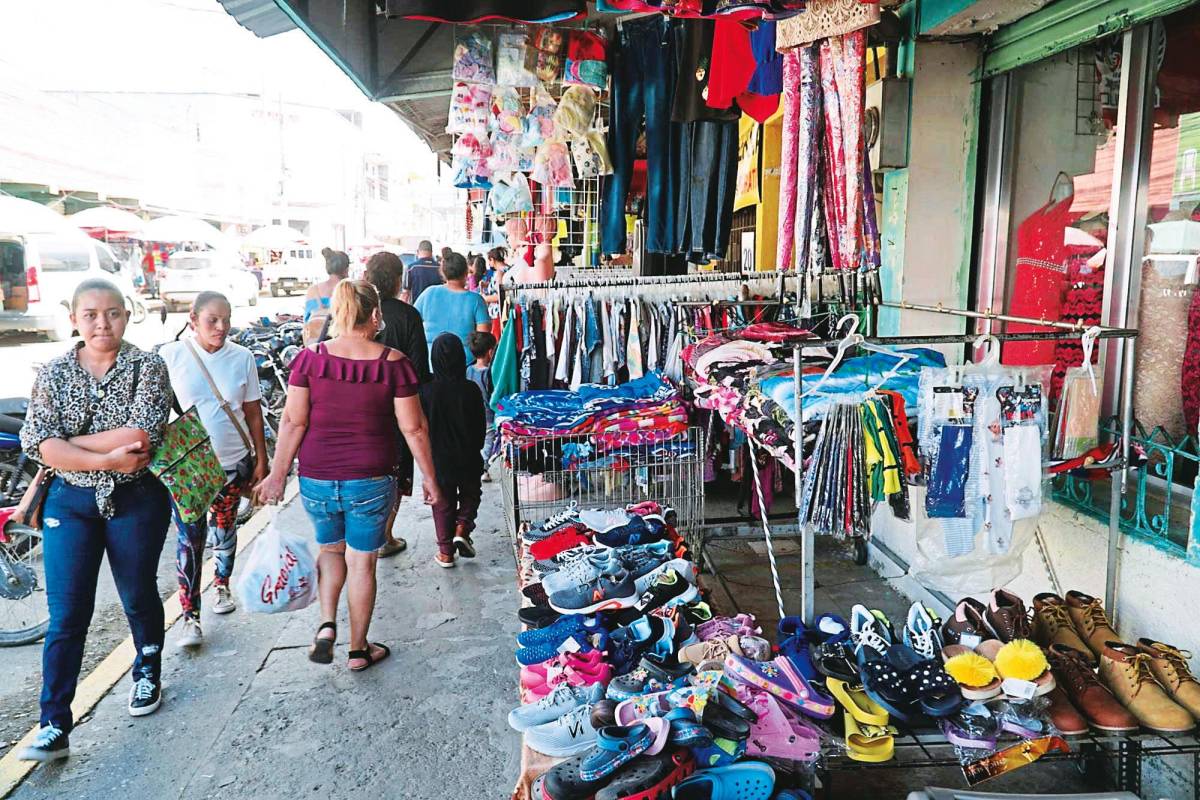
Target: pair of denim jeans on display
x: 75, y: 540
x: 691, y: 166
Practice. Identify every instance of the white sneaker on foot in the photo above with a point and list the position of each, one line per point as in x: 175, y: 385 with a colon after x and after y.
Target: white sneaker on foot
x: 224, y: 603
x: 192, y: 635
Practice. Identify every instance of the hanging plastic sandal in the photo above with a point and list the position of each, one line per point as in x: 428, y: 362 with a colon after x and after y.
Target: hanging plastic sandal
x: 748, y: 780
x: 857, y: 703
x: 869, y: 743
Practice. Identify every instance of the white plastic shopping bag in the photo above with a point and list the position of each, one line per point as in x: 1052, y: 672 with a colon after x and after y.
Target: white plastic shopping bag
x: 279, y: 572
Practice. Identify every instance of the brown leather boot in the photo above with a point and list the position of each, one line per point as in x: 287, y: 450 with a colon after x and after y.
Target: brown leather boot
x: 1052, y: 625
x: 1074, y: 675
x: 1091, y: 622
x: 1170, y: 666
x: 1063, y: 715
x: 1127, y: 672
x: 1007, y: 617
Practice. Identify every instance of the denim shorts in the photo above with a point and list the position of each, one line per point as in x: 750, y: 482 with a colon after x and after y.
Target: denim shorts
x: 354, y: 511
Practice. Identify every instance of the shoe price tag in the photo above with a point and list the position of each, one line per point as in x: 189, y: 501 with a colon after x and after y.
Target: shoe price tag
x: 970, y: 640
x: 1023, y: 690
x: 569, y: 645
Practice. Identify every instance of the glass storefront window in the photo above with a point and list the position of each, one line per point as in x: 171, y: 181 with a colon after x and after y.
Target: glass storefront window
x: 1167, y: 374
x: 1063, y: 168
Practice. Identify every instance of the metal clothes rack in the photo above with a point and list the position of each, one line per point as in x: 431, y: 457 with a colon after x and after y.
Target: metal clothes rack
x: 658, y: 280
x: 1063, y: 330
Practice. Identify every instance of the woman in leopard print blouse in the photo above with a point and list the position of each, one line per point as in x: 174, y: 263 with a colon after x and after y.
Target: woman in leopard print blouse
x: 95, y: 415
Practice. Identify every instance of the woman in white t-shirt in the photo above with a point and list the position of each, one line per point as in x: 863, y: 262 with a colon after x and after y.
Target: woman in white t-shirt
x: 236, y: 432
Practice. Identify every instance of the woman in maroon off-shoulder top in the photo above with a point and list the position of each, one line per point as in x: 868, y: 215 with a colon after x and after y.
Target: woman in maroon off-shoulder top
x: 345, y: 399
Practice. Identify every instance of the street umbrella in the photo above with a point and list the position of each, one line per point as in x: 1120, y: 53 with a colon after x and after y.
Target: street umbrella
x: 273, y: 237
x: 185, y: 229
x: 108, y: 218
x: 26, y: 216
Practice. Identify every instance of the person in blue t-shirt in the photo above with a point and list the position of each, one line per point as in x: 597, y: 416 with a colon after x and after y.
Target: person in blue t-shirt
x: 450, y: 308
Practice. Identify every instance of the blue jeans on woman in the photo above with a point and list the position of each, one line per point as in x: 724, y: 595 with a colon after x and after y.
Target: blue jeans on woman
x: 75, y: 540
x: 353, y: 511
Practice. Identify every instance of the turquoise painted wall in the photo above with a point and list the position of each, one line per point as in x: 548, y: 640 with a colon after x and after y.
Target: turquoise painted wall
x: 891, y: 231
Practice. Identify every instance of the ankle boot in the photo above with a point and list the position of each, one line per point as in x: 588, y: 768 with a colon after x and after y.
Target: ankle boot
x: 1128, y: 673
x: 1170, y: 666
x: 1052, y: 625
x: 1075, y: 677
x: 1087, y: 614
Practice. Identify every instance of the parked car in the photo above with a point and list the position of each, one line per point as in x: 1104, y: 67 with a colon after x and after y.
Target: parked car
x: 187, y: 274
x: 300, y: 268
x: 39, y: 273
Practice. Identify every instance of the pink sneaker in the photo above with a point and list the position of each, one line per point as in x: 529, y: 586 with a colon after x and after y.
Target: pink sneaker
x: 539, y: 674
x: 573, y: 677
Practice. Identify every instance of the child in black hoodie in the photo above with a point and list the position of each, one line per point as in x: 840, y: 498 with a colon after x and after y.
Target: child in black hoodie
x: 453, y: 405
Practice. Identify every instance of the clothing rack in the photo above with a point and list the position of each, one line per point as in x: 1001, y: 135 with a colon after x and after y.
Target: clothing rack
x: 1064, y: 330
x: 659, y: 280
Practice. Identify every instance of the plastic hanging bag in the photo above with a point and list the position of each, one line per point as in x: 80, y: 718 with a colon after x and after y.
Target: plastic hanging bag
x: 279, y: 572
x: 586, y: 62
x: 507, y: 118
x: 539, y: 122
x: 1078, y: 425
x: 470, y: 108
x: 552, y: 166
x: 590, y: 154
x: 576, y: 108
x: 510, y: 61
x: 473, y: 57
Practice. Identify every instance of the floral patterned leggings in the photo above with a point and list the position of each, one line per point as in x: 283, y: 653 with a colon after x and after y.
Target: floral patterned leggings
x: 189, y: 549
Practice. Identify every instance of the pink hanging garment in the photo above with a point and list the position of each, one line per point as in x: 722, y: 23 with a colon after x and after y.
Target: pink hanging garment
x: 842, y: 65
x: 788, y: 166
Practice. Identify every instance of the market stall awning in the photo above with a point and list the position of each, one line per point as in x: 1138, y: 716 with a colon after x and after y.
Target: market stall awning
x: 25, y: 216
x: 185, y: 229
x: 107, y: 218
x: 260, y: 17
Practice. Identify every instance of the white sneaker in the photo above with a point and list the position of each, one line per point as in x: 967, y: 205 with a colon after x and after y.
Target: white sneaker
x: 191, y: 636
x: 224, y: 603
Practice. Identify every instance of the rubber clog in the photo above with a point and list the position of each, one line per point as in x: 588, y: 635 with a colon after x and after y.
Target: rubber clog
x: 869, y: 743
x: 857, y: 703
x: 649, y: 778
x: 660, y: 731
x: 651, y: 675
x: 562, y: 781
x: 781, y: 678
x: 748, y: 780
x: 658, y: 704
x: 719, y: 753
x: 685, y: 730
x: 615, y: 747
x: 776, y: 735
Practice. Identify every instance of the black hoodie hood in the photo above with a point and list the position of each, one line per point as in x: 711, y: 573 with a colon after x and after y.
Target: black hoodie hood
x: 447, y: 358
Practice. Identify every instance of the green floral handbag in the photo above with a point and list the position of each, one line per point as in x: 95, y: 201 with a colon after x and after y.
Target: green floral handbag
x: 188, y: 466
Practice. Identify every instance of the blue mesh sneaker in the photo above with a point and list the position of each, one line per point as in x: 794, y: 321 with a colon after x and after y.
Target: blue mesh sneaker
x: 648, y: 634
x: 582, y: 632
x: 563, y: 699
x: 639, y: 530
x: 606, y: 592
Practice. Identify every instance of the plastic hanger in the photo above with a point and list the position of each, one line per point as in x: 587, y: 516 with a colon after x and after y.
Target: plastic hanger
x: 1088, y: 342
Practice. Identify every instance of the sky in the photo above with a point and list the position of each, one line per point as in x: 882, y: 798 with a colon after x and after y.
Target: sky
x: 181, y: 46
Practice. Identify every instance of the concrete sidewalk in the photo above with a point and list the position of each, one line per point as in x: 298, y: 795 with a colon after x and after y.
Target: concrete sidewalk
x: 248, y: 716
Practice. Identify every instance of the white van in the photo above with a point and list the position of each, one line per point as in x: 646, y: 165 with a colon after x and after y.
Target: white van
x: 39, y: 273
x: 300, y: 268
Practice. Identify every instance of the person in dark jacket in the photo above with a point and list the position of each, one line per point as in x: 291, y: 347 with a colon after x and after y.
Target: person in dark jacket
x: 404, y: 331
x: 453, y: 406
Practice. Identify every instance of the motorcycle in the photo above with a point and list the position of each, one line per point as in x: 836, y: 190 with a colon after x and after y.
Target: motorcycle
x: 24, y: 614
x: 16, y: 469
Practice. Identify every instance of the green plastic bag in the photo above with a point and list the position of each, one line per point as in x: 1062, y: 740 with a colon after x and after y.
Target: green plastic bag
x: 188, y: 466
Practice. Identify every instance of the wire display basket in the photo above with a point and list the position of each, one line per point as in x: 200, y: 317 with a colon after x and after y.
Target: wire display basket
x: 542, y: 475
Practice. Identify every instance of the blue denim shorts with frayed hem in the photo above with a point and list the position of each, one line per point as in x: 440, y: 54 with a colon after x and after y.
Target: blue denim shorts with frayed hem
x: 354, y: 511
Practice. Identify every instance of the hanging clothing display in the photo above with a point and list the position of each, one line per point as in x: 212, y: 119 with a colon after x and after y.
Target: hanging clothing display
x: 825, y: 18
x: 480, y: 10
x: 841, y: 66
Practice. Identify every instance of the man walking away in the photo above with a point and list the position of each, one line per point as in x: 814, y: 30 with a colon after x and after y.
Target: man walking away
x: 421, y: 274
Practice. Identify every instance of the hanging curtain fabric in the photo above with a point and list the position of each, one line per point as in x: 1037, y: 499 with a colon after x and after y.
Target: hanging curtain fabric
x: 808, y: 154
x: 842, y: 77
x: 788, y: 234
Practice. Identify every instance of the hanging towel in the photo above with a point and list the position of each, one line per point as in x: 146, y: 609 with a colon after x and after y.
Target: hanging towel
x: 505, y: 380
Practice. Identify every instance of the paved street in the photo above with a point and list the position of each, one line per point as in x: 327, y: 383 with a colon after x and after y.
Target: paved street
x: 248, y: 716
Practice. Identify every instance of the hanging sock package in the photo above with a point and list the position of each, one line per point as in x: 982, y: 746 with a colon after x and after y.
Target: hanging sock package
x: 587, y: 60
x: 473, y: 57
x: 1078, y: 424
x: 470, y: 108
x: 539, y: 122
x: 590, y: 154
x: 510, y: 61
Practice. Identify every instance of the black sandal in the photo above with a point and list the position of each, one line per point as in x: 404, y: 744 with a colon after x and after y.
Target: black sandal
x: 366, y: 656
x: 321, y: 651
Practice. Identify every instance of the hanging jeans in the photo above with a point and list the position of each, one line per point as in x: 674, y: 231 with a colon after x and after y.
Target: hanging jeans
x: 76, y: 540
x: 642, y: 87
x: 708, y: 165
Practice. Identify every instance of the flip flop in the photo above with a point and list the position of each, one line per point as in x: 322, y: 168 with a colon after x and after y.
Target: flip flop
x: 321, y: 651
x: 747, y: 780
x: 991, y: 650
x: 869, y: 743
x: 365, y: 655
x: 856, y: 702
x: 962, y: 661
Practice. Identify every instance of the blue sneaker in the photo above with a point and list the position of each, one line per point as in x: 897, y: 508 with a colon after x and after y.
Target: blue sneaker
x: 556, y: 632
x: 563, y: 699
x: 582, y: 632
x: 607, y: 592
x: 639, y: 530
x: 648, y: 634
